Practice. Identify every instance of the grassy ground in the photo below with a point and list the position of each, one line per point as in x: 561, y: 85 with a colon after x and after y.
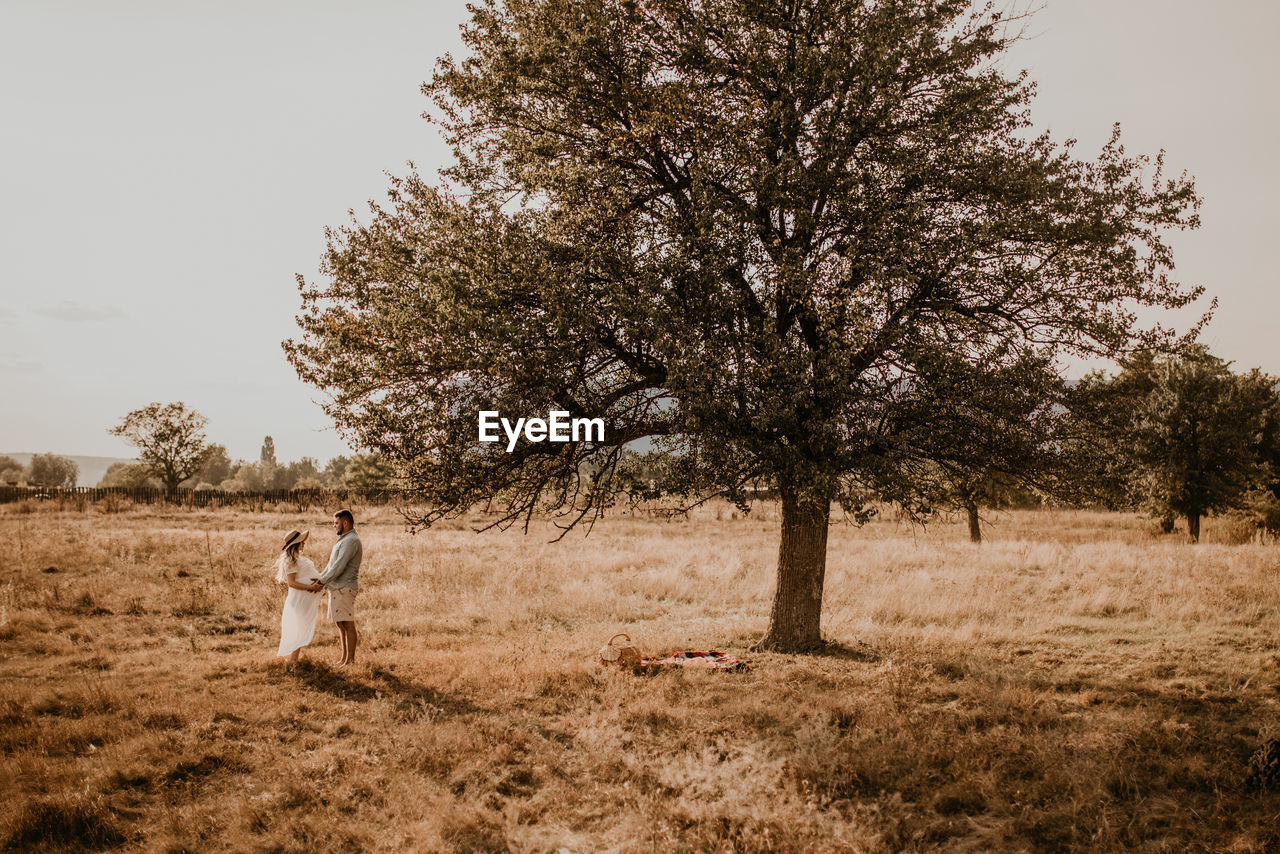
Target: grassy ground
x: 1075, y: 683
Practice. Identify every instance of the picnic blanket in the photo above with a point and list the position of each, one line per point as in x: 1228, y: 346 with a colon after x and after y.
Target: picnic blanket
x: 709, y: 660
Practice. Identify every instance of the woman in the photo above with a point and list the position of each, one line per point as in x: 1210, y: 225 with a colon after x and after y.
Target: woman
x: 298, y: 620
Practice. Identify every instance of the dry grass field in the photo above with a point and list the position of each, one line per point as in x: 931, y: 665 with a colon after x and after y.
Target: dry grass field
x: 1075, y: 683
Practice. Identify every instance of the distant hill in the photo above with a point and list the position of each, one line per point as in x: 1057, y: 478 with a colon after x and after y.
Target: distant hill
x: 91, y: 468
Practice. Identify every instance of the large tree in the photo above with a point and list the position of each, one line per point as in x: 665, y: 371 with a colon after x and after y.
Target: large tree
x: 745, y: 230
x: 170, y: 440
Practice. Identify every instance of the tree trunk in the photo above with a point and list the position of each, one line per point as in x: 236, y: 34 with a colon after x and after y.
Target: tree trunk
x: 1193, y: 526
x: 975, y: 527
x: 795, y: 622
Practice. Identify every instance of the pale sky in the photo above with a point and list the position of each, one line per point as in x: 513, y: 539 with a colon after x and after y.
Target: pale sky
x: 166, y: 167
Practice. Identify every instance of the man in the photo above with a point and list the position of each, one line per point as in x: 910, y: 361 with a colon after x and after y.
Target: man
x: 340, y: 577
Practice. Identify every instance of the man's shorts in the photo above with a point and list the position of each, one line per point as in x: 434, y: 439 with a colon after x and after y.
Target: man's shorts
x: 342, y: 605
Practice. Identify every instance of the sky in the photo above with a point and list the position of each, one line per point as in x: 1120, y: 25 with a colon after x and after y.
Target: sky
x: 167, y: 167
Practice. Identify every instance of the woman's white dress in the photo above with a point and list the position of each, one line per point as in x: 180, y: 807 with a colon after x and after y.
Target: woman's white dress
x: 298, y: 620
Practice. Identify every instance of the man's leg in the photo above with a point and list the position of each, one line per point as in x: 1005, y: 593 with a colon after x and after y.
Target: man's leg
x: 341, y: 635
x: 348, y: 630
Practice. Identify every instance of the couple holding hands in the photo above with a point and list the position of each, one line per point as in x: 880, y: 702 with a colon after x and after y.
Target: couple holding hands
x: 340, y: 578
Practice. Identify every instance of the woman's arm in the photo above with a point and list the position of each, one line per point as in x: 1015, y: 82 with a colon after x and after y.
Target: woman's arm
x: 291, y: 579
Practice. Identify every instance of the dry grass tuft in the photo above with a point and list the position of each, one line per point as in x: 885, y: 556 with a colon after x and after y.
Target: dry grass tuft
x: 62, y: 824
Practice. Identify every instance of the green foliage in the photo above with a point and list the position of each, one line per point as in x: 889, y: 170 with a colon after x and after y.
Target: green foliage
x: 217, y: 466
x: 288, y: 476
x: 1269, y: 451
x: 247, y: 477
x: 983, y: 436
x: 368, y: 472
x: 170, y: 440
x: 11, y: 471
x: 1192, y: 437
x: 259, y: 476
x: 129, y: 476
x: 52, y: 470
x: 334, y: 471
x: 1197, y: 437
x: 745, y: 230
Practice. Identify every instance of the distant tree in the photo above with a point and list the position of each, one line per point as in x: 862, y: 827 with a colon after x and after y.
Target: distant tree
x: 245, y: 477
x: 335, y: 471
x: 11, y: 471
x: 1196, y: 434
x: 289, y: 476
x: 310, y: 484
x: 1105, y: 408
x: 129, y: 476
x: 1269, y: 449
x: 368, y: 472
x: 977, y: 434
x: 170, y: 440
x: 738, y: 229
x: 268, y: 467
x: 52, y: 470
x: 217, y: 466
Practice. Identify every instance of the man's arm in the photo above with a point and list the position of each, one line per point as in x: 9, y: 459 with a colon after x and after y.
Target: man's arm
x: 337, y: 562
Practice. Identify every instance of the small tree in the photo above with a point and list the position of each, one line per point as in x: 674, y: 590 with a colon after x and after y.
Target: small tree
x: 267, y: 456
x: 170, y: 440
x: 129, y: 476
x: 11, y: 471
x: 1192, y: 434
x: 369, y: 472
x: 293, y: 475
x: 980, y: 432
x: 335, y: 471
x: 245, y: 477
x: 1198, y: 438
x: 52, y: 470
x: 216, y: 467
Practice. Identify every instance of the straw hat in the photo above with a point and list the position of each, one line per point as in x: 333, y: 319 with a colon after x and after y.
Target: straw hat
x: 294, y: 538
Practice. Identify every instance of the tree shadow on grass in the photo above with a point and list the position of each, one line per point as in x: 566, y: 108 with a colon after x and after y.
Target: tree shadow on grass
x: 858, y: 651
x: 377, y: 683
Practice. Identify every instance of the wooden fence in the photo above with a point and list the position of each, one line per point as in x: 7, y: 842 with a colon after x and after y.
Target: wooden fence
x: 81, y: 495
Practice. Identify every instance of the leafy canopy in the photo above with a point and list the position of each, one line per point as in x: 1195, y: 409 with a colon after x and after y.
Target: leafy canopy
x: 1199, y: 437
x: 757, y: 233
x: 170, y: 440
x: 52, y: 470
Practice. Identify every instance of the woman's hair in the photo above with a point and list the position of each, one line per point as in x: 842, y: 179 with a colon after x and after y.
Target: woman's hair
x: 287, y: 561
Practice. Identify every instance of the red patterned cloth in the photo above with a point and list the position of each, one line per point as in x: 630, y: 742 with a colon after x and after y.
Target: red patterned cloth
x: 709, y: 660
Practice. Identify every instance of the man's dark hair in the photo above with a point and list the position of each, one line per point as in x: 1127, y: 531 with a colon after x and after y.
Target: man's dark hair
x: 345, y: 514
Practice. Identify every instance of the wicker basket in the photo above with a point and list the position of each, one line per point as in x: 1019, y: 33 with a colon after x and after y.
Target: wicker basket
x: 622, y: 654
